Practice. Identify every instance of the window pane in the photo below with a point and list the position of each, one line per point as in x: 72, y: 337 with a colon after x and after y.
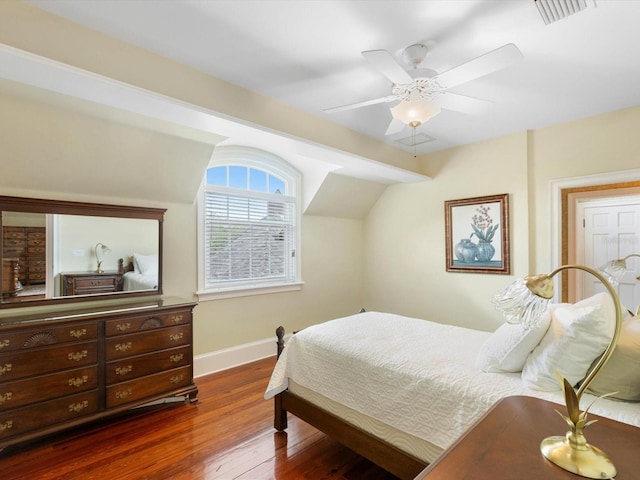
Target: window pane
x: 258, y: 180
x: 217, y: 176
x: 238, y: 177
x: 276, y: 185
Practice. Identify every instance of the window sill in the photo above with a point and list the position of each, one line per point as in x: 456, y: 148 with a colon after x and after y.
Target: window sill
x: 246, y: 291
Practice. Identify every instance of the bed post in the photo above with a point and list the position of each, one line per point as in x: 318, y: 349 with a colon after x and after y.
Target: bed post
x: 280, y: 414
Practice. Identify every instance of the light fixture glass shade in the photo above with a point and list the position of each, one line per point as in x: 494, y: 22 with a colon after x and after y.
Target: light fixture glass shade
x: 415, y: 112
x: 613, y: 271
x: 520, y: 305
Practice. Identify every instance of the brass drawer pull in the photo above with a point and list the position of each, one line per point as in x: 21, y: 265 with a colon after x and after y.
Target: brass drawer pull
x: 174, y: 337
x: 176, y: 358
x: 124, y: 370
x: 176, y: 318
x: 177, y: 379
x: 5, y: 369
x: 79, y: 381
x: 123, y: 327
x: 123, y: 394
x: 77, y: 356
x: 78, y: 407
x: 5, y: 397
x: 6, y: 425
x: 123, y: 347
x: 78, y: 333
x: 4, y: 343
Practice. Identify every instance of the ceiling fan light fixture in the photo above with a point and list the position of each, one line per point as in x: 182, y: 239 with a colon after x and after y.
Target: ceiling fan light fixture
x: 415, y: 112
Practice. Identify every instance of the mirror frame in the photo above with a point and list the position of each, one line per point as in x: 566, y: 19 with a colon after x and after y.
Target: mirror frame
x: 63, y: 207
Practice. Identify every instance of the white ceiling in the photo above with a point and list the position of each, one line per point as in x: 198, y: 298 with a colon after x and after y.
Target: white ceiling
x: 306, y: 53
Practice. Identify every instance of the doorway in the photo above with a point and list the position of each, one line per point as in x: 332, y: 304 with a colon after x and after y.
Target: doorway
x: 607, y: 228
x: 600, y: 223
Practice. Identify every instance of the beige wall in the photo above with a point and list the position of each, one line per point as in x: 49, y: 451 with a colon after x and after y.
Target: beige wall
x: 405, y: 240
x: 332, y: 264
x: 404, y: 232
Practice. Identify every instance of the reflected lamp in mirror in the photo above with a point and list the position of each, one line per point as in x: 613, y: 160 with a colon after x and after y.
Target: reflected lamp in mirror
x: 525, y: 302
x: 613, y: 270
x: 101, y: 249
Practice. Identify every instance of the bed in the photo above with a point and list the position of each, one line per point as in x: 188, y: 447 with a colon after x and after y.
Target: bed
x: 400, y: 390
x: 140, y: 273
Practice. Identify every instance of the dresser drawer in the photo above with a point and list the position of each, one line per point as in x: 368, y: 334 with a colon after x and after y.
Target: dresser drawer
x: 148, y: 341
x: 36, y: 234
x: 21, y: 339
x: 36, y: 251
x: 23, y: 420
x: 97, y: 284
x: 25, y: 364
x: 37, y: 266
x: 148, y: 386
x: 37, y: 389
x: 134, y: 367
x: 146, y: 322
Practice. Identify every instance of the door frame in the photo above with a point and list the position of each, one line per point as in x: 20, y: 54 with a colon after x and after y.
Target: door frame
x: 619, y: 182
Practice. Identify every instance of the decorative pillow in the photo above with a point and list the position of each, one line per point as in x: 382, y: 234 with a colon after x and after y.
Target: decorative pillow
x: 578, y: 334
x: 507, y: 349
x: 145, y: 264
x: 622, y: 372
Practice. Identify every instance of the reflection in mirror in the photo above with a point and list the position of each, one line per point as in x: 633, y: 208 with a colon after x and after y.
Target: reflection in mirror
x: 63, y: 251
x: 103, y: 255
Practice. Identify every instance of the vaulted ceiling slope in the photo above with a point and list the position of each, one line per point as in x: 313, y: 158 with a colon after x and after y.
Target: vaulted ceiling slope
x: 307, y: 54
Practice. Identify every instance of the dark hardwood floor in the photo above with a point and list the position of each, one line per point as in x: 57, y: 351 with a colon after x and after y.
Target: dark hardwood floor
x: 228, y: 434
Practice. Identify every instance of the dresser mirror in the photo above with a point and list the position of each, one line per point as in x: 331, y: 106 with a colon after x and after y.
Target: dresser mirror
x: 60, y: 251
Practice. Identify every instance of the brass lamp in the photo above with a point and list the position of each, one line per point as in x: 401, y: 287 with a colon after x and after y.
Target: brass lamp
x: 101, y: 248
x: 524, y: 302
x: 613, y: 271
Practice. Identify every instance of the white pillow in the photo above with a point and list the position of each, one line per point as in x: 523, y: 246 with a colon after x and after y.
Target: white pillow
x: 145, y: 264
x: 578, y: 334
x: 507, y: 349
x: 621, y: 374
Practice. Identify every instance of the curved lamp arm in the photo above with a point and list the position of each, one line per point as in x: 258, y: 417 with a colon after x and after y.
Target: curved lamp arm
x: 618, y: 325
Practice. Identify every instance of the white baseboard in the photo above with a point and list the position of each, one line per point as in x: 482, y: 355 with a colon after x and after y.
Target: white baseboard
x: 219, y: 360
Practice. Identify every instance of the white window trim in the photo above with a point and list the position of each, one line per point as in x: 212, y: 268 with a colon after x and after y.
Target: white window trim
x: 250, y: 157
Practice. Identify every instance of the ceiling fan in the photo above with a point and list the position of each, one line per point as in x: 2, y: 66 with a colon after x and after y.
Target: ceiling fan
x: 423, y: 92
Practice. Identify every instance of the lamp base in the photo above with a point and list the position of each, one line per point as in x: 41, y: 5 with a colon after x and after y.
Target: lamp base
x: 584, y: 460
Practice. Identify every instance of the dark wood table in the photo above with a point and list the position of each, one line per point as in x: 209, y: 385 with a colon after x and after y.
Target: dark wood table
x: 504, y: 444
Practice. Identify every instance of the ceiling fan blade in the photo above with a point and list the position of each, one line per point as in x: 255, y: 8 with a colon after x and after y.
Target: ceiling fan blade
x: 384, y: 62
x: 480, y: 66
x: 396, y: 126
x: 389, y: 98
x: 462, y: 103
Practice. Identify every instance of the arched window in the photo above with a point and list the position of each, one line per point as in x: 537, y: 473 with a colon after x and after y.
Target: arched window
x: 249, y: 224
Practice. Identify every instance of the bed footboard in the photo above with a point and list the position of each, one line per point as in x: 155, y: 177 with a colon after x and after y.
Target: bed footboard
x: 383, y: 454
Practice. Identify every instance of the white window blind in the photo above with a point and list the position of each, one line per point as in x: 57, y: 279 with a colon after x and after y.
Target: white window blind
x: 249, y: 238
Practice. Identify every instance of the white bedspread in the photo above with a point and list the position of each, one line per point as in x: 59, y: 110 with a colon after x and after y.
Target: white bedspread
x: 414, y: 375
x: 138, y: 281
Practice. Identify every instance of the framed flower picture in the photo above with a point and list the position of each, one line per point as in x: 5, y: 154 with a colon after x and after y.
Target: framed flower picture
x: 477, y: 234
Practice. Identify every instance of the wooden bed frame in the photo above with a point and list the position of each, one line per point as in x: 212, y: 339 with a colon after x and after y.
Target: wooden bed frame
x: 383, y: 454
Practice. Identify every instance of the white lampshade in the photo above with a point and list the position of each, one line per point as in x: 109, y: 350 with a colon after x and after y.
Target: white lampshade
x: 415, y: 112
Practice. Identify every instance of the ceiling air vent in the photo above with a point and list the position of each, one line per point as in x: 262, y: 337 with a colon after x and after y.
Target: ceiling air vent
x: 554, y: 10
x: 416, y: 139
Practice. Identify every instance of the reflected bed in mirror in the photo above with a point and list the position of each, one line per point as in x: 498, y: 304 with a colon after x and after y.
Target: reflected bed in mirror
x: 58, y: 251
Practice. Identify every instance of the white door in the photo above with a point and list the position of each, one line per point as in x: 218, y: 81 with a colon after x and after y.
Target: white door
x: 609, y: 229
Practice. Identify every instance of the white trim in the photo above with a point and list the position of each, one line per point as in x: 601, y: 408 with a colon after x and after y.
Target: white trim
x: 232, y: 292
x: 555, y: 191
x: 219, y: 360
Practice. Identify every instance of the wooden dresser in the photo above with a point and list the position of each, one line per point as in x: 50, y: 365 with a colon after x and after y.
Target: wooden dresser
x: 64, y: 369
x: 84, y: 283
x: 28, y: 245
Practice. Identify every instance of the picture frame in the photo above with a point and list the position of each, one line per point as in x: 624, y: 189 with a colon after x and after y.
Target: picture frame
x: 477, y: 235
